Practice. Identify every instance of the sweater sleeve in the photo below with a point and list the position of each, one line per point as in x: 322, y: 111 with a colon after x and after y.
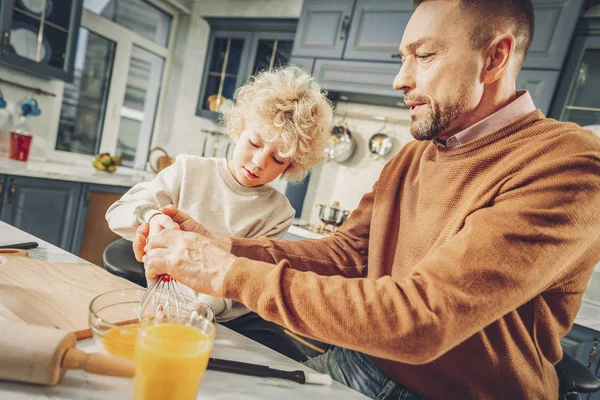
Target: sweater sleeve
x: 344, y: 253
x: 125, y: 215
x: 541, y: 229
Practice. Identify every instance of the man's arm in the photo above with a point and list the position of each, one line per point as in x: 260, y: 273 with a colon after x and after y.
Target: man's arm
x: 344, y: 253
x: 542, y: 231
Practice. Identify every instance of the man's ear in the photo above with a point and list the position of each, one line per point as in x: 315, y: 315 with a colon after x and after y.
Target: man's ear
x: 498, y: 58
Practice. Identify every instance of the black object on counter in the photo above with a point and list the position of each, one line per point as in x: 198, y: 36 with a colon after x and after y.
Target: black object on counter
x: 22, y: 246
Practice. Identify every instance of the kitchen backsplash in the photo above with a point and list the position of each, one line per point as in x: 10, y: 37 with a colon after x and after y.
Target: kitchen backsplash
x: 349, y: 181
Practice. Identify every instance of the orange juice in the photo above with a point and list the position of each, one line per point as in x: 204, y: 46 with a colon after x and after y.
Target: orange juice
x: 120, y: 341
x: 170, y: 360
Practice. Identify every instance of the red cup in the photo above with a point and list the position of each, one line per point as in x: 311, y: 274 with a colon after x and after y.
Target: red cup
x: 19, y: 146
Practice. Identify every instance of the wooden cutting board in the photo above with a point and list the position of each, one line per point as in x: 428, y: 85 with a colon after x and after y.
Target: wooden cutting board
x: 53, y: 294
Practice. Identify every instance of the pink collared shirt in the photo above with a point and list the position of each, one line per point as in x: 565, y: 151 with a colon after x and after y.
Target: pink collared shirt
x: 514, y: 110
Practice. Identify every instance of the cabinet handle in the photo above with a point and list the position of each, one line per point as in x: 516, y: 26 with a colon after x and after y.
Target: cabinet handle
x: 13, y: 189
x: 5, y: 41
x: 396, y: 55
x: 593, y: 354
x: 344, y: 27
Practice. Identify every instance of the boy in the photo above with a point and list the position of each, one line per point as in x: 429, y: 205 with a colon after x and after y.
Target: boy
x: 280, y: 122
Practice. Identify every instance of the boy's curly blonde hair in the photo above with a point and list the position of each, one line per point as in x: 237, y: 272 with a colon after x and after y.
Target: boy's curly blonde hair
x: 289, y: 101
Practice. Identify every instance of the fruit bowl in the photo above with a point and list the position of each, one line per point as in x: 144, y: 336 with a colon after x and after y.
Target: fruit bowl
x: 106, y: 162
x: 113, y: 318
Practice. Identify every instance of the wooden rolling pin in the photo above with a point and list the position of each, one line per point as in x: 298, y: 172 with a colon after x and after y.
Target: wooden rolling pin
x: 36, y: 354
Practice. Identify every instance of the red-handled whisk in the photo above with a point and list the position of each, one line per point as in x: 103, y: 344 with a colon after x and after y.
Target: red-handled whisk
x: 164, y: 294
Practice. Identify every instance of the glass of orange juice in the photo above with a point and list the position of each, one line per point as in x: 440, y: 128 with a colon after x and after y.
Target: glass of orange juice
x: 171, y: 354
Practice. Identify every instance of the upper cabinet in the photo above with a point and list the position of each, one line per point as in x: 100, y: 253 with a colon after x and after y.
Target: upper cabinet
x: 323, y: 28
x: 40, y: 37
x: 555, y: 22
x: 234, y: 55
x: 577, y: 97
x: 376, y: 29
x: 368, y: 30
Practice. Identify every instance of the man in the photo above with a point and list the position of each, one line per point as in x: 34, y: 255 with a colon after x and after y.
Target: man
x: 460, y: 272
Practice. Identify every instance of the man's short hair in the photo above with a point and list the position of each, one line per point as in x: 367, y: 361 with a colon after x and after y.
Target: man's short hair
x: 488, y: 15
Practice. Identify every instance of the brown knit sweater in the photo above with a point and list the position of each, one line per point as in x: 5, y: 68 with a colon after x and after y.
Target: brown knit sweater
x: 459, y: 273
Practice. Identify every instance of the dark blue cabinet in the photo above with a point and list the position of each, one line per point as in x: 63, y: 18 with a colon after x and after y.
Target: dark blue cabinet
x: 40, y: 37
x: 45, y: 208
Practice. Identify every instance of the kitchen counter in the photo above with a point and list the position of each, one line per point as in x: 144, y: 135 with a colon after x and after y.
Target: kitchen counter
x: 215, y: 385
x: 77, y: 173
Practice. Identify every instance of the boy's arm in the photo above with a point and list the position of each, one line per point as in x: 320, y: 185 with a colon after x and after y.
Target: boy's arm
x: 144, y: 199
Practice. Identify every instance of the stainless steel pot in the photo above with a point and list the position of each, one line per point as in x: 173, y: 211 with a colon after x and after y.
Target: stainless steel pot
x: 380, y: 145
x: 332, y: 215
x: 340, y: 146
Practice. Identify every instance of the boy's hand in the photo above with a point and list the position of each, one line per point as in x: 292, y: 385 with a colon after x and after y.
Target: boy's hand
x: 139, y: 241
x: 157, y: 223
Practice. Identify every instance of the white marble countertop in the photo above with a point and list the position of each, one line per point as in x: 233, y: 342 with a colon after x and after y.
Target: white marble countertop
x: 215, y: 385
x: 77, y: 173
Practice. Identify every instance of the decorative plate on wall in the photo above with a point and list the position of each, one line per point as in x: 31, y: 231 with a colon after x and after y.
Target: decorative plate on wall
x: 36, y: 7
x: 24, y: 42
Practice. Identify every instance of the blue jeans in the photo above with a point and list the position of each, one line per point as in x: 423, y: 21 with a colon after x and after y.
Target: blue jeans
x: 357, y: 371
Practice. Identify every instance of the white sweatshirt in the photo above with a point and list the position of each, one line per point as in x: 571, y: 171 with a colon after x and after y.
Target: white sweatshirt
x: 205, y: 189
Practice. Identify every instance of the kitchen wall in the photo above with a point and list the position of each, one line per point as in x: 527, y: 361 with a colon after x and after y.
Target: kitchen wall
x: 349, y: 181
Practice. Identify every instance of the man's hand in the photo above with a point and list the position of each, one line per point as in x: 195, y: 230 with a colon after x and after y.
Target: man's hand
x: 188, y: 224
x: 188, y: 257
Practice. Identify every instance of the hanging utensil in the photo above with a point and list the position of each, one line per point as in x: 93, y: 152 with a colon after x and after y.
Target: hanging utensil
x: 380, y: 144
x: 340, y: 146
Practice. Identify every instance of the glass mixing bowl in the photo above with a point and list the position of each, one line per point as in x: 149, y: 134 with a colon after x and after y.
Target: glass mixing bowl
x: 113, y: 319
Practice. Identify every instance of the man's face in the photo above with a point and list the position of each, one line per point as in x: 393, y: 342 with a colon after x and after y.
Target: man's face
x: 441, y: 74
x: 256, y: 162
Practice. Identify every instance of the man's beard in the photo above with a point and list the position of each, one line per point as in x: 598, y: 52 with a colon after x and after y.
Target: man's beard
x: 436, y: 121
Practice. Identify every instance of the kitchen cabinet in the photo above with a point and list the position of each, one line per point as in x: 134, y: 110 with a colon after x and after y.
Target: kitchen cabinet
x: 376, y: 29
x: 323, y: 28
x: 357, y: 77
x: 577, y: 97
x: 40, y: 37
x: 92, y: 234
x: 353, y: 30
x: 555, y: 22
x: 305, y: 63
x: 45, y: 208
x: 226, y: 65
x: 541, y: 85
x: 238, y: 52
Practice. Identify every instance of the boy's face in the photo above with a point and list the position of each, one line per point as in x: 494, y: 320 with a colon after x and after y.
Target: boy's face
x: 256, y: 162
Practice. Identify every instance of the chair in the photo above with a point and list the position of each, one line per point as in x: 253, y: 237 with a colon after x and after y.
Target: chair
x: 119, y: 260
x: 574, y: 378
